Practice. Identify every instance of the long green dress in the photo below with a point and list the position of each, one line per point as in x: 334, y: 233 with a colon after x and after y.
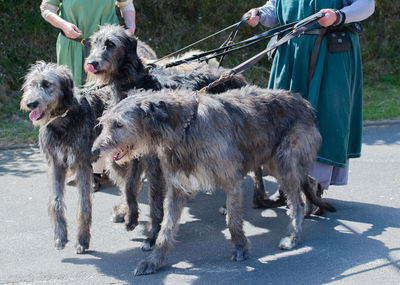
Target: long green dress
x: 335, y: 90
x: 87, y: 15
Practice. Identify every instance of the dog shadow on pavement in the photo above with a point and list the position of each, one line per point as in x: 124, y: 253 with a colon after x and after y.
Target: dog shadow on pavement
x: 357, y: 239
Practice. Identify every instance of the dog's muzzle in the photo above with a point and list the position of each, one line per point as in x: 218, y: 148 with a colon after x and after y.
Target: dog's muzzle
x: 95, y: 154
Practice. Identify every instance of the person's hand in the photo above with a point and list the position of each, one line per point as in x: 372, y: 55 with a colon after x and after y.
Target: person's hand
x: 132, y: 30
x: 71, y: 31
x: 329, y: 18
x: 254, y: 17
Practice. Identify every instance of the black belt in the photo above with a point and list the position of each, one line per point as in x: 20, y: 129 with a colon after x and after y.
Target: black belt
x: 354, y: 28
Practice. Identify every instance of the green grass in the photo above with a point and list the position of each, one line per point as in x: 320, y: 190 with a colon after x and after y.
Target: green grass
x: 382, y: 99
x: 169, y: 25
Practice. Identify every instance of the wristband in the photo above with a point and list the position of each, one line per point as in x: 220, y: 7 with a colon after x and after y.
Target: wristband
x: 340, y: 18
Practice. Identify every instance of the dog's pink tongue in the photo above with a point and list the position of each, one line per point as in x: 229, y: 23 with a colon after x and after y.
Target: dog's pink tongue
x: 34, y: 115
x: 118, y: 155
x: 115, y: 155
x: 90, y: 68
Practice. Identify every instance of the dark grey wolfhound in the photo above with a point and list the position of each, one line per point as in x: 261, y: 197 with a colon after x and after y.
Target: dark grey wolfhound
x: 115, y: 62
x: 67, y: 131
x: 208, y: 142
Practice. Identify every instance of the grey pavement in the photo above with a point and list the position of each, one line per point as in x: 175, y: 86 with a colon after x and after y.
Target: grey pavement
x: 359, y: 244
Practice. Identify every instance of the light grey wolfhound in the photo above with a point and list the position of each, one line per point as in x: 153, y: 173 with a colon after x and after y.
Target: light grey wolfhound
x: 67, y: 131
x: 207, y: 142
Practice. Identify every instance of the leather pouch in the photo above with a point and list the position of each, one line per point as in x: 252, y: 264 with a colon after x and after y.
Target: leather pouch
x: 338, y: 41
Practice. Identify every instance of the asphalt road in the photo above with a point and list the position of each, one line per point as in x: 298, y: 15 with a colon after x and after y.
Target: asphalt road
x: 359, y: 244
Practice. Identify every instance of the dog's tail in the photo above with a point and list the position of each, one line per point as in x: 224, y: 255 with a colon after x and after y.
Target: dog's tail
x: 314, y: 197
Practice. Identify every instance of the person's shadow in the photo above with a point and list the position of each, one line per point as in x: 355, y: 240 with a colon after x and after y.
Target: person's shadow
x: 336, y: 246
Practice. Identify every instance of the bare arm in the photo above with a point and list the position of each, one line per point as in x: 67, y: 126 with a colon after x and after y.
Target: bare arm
x: 264, y: 15
x: 49, y: 13
x: 129, y: 14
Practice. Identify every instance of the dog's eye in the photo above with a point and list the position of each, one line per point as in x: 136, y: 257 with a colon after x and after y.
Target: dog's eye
x: 109, y: 44
x: 45, y: 84
x: 117, y: 125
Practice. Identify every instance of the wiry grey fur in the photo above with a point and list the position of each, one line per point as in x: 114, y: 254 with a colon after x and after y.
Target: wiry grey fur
x: 119, y: 66
x: 67, y: 131
x: 208, y: 142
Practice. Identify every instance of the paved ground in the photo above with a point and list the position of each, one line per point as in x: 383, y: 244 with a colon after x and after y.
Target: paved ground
x: 359, y: 244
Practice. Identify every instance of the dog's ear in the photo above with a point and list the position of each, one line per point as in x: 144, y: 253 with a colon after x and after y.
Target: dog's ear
x: 67, y: 88
x: 130, y: 43
x: 155, y: 116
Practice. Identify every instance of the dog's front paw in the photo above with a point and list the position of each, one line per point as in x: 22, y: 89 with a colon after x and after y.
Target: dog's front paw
x: 118, y: 215
x: 288, y: 242
x: 80, y: 249
x: 145, y: 267
x: 240, y: 254
x: 131, y: 221
x: 60, y: 243
x: 130, y: 225
x: 222, y: 210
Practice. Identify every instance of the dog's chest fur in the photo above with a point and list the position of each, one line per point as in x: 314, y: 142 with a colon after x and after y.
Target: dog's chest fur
x: 68, y: 140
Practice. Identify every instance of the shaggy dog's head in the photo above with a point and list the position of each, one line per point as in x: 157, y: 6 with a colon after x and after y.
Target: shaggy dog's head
x: 47, y: 92
x: 130, y: 129
x: 112, y: 55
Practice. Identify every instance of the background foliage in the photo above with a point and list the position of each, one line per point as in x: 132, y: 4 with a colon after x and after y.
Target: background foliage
x: 168, y: 25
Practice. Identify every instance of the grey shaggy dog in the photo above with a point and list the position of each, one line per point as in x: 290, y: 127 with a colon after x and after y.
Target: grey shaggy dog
x: 207, y: 142
x: 116, y: 62
x: 67, y: 131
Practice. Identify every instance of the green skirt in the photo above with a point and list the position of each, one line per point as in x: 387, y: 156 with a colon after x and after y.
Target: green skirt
x: 335, y: 90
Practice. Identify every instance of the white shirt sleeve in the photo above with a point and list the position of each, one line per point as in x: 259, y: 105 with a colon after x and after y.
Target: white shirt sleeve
x: 358, y: 10
x: 267, y: 14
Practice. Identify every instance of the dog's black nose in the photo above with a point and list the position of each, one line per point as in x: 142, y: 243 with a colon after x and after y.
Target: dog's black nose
x: 95, y: 64
x: 32, y: 105
x: 95, y: 154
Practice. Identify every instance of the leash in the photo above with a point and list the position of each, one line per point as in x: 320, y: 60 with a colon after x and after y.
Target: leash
x: 299, y: 28
x: 195, y: 43
x: 226, y: 49
x: 205, y: 56
x: 63, y: 115
x: 232, y: 37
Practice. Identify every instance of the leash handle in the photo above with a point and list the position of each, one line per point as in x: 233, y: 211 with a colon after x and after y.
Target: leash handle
x: 298, y: 29
x: 231, y: 37
x: 195, y: 43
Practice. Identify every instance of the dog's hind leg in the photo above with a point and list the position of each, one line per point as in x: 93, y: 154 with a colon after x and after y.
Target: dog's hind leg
x: 56, y: 206
x: 156, y: 192
x: 174, y: 202
x: 259, y: 194
x: 234, y: 221
x: 313, y: 191
x: 84, y: 210
x: 296, y: 214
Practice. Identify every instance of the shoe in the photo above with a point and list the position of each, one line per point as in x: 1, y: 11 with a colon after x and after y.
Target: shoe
x: 96, y: 182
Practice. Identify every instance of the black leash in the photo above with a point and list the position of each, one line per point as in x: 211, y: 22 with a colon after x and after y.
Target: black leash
x: 204, y: 56
x: 299, y: 28
x: 231, y: 38
x: 195, y: 43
